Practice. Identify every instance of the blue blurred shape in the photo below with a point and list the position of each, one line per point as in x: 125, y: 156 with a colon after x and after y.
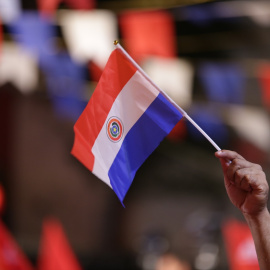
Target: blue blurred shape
x: 34, y: 32
x: 200, y: 15
x: 210, y: 120
x: 65, y: 82
x: 222, y: 82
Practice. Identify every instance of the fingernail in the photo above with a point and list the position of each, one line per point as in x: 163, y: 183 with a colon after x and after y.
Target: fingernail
x: 228, y: 162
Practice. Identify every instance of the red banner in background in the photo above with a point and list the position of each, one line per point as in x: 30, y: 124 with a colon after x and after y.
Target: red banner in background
x: 2, y: 199
x: 264, y: 80
x: 148, y: 33
x: 55, y: 251
x: 239, y: 246
x: 11, y: 256
x: 49, y: 7
x: 81, y: 4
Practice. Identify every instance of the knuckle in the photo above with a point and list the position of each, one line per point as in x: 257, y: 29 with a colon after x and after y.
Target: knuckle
x: 266, y: 186
x: 263, y: 174
x: 235, y: 162
x: 247, y: 178
x: 265, y: 189
x: 238, y: 174
x: 259, y: 167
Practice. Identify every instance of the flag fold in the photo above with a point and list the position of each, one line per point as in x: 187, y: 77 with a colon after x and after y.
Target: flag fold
x: 125, y: 120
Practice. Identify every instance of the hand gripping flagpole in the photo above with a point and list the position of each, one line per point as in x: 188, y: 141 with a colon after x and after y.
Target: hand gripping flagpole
x: 116, y: 43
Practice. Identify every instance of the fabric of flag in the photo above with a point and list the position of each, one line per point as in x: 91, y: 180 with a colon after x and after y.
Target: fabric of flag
x: 240, y: 246
x: 11, y: 256
x: 123, y: 123
x: 148, y: 33
x: 55, y: 252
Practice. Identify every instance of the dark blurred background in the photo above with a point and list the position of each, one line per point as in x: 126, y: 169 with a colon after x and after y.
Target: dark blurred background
x: 211, y: 57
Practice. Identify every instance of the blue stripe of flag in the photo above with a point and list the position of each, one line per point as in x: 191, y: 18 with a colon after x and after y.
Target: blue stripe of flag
x: 142, y: 139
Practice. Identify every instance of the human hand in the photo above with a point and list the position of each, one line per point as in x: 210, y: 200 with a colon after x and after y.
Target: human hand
x: 245, y: 182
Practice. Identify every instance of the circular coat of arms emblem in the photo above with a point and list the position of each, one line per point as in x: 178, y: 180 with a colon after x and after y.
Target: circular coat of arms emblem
x: 114, y: 129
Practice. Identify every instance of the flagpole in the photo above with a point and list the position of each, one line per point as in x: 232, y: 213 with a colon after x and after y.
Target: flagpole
x: 116, y: 43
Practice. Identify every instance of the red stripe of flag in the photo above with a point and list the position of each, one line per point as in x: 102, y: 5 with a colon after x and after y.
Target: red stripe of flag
x: 91, y: 120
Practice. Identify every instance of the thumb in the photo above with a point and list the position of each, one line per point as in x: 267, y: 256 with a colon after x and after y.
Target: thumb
x: 224, y: 162
x: 224, y: 165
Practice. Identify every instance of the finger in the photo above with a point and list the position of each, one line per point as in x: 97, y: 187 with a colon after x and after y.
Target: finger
x: 250, y: 179
x: 236, y: 165
x: 224, y: 164
x: 228, y: 155
x: 244, y: 179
